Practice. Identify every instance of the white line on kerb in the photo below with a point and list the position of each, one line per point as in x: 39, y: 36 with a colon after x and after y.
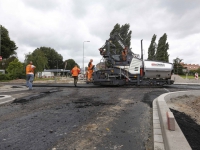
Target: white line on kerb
x: 166, y: 90
x: 6, y: 101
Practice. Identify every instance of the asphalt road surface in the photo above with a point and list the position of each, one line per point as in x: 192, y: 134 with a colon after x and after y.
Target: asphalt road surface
x: 57, y: 118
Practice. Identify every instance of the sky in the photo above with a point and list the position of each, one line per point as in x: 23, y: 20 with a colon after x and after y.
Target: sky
x: 64, y: 25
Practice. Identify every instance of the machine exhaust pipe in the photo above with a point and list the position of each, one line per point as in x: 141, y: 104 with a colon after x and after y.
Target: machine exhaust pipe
x: 142, y: 67
x: 141, y: 50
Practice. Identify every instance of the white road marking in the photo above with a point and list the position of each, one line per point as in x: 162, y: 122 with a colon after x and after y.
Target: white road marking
x: 166, y: 90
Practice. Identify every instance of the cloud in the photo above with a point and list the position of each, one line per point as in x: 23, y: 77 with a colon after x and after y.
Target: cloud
x: 65, y: 25
x: 41, y: 5
x: 183, y: 17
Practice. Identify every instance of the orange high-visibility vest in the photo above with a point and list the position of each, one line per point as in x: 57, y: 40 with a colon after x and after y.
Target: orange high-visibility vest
x: 29, y: 69
x: 90, y: 66
x: 75, y: 71
x: 90, y: 70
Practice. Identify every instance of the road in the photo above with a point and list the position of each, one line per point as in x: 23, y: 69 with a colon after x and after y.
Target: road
x: 82, y: 118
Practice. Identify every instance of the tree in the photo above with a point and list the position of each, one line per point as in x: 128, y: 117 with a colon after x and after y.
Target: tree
x: 152, y: 48
x: 54, y: 59
x: 124, y: 33
x: 178, y: 68
x: 15, y: 69
x: 194, y: 71
x: 163, y: 46
x: 70, y: 64
x: 4, y: 63
x: 38, y: 58
x: 8, y: 46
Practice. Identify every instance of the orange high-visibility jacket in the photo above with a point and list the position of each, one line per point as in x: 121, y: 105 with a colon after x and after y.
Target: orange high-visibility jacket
x: 90, y: 66
x: 75, y: 71
x: 124, y: 53
x: 90, y: 70
x: 29, y: 69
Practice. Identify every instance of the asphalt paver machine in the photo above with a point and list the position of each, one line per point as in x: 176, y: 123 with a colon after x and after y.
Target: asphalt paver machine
x: 115, y: 70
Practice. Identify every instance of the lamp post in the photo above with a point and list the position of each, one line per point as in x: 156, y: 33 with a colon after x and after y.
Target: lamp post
x: 83, y: 57
x: 57, y: 67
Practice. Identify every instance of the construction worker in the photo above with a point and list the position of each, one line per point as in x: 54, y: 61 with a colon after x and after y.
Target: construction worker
x: 124, y: 53
x: 30, y: 75
x: 196, y: 76
x: 75, y: 71
x: 90, y: 69
x: 102, y: 52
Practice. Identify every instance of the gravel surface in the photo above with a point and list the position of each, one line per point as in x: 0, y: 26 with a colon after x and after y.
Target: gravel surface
x: 88, y: 118
x: 80, y: 118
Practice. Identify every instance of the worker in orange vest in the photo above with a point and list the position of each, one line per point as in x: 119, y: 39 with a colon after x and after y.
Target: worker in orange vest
x: 30, y: 75
x: 124, y: 53
x: 90, y: 69
x: 75, y: 71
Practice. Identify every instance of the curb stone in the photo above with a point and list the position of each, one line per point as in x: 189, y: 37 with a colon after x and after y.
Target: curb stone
x: 165, y: 139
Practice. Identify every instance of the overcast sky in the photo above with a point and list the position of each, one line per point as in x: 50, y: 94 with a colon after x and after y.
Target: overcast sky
x: 64, y: 25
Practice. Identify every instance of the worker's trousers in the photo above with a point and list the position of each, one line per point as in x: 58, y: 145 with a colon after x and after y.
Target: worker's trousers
x: 29, y: 81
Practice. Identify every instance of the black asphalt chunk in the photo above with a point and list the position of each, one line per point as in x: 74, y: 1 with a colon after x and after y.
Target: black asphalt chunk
x: 35, y: 96
x: 149, y: 97
x: 29, y: 98
x: 52, y: 91
x: 16, y: 87
x: 189, y: 127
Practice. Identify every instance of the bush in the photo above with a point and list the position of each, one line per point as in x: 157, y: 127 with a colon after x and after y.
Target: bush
x: 4, y: 77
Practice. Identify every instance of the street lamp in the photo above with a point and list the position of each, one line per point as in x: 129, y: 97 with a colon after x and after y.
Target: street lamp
x: 83, y: 56
x: 57, y: 67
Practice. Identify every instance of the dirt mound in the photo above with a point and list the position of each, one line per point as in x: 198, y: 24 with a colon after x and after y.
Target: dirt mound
x: 190, y: 129
x: 187, y: 113
x: 189, y: 104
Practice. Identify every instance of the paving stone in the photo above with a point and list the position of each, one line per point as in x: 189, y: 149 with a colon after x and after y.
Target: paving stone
x: 156, y: 126
x: 156, y: 121
x: 157, y: 131
x: 158, y: 138
x: 159, y: 146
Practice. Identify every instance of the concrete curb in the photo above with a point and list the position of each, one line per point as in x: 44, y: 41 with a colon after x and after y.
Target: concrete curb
x: 6, y: 99
x: 165, y: 139
x: 177, y: 83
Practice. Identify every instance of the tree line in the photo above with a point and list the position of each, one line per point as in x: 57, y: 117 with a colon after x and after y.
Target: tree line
x: 42, y: 58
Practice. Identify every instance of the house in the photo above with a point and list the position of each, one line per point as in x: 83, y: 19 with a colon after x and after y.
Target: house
x: 190, y: 66
x: 49, y: 73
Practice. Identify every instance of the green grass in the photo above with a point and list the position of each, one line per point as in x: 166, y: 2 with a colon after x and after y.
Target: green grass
x: 188, y: 77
